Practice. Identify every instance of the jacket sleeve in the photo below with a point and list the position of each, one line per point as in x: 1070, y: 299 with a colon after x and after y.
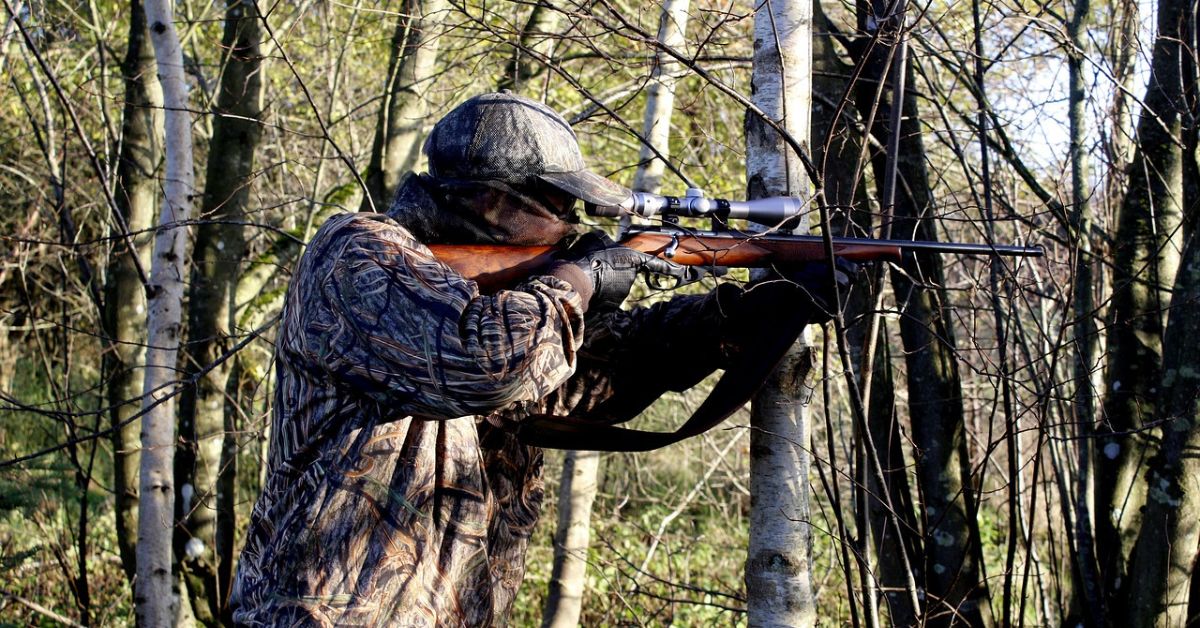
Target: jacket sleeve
x: 386, y: 319
x: 631, y: 358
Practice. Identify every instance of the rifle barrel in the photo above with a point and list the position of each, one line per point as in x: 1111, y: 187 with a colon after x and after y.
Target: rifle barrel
x: 960, y: 248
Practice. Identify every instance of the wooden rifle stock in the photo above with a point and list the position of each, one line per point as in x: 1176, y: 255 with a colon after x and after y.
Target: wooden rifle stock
x: 493, y: 266
x: 498, y: 266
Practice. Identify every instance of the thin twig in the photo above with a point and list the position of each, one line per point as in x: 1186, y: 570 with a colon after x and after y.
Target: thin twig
x: 38, y: 608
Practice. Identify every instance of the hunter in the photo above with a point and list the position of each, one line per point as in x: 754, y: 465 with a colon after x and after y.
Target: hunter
x: 397, y: 493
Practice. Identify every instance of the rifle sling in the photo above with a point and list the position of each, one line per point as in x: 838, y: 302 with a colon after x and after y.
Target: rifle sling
x: 764, y: 347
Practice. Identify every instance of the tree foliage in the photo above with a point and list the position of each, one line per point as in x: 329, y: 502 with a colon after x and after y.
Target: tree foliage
x: 992, y: 441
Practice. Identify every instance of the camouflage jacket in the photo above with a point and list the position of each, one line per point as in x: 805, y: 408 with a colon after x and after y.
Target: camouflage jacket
x: 394, y: 496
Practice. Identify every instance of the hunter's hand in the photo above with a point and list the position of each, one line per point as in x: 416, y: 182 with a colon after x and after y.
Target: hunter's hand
x: 612, y: 268
x: 804, y: 284
x: 812, y: 280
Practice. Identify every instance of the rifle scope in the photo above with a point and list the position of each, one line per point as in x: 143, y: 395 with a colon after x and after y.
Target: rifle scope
x: 766, y: 211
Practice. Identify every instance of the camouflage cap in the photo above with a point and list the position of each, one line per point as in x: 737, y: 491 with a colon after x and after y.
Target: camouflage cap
x: 506, y: 137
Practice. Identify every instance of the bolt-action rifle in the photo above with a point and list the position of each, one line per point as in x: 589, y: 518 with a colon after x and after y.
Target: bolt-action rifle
x: 495, y: 267
x: 498, y: 266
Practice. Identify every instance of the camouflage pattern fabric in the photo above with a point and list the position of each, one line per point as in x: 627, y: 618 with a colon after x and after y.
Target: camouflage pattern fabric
x: 394, y: 495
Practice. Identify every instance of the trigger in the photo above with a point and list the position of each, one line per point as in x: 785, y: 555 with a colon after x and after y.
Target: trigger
x: 689, y: 275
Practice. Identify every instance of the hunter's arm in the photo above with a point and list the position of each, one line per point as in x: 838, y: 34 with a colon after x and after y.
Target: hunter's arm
x: 395, y: 324
x: 636, y: 356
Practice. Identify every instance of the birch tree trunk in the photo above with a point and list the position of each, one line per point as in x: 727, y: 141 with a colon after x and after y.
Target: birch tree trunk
x: 778, y: 569
x: 660, y: 98
x: 1088, y: 591
x: 206, y: 461
x: 125, y: 296
x: 1147, y: 242
x: 153, y: 598
x: 405, y: 107
x: 577, y: 492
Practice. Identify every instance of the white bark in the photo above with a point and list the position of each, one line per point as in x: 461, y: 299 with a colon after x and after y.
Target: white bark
x: 575, y: 496
x: 782, y: 86
x: 660, y: 98
x: 10, y: 31
x: 778, y: 565
x: 154, y: 600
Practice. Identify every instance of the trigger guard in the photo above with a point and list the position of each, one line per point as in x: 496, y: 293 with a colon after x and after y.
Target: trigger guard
x: 687, y: 275
x: 658, y: 281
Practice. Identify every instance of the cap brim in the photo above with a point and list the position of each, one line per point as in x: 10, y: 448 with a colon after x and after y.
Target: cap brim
x: 589, y: 186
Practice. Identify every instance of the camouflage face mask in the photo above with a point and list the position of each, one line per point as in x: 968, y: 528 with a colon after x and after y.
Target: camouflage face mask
x: 464, y: 211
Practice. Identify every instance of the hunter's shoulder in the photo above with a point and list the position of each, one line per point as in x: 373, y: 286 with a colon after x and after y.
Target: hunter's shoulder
x: 363, y: 225
x: 363, y: 232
